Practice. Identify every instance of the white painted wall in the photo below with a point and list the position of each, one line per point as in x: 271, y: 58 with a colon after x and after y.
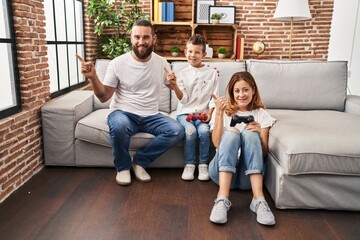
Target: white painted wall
x: 345, y: 39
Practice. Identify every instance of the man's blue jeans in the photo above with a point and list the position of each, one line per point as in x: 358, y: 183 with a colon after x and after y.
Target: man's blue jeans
x: 193, y: 130
x: 227, y: 158
x: 123, y: 125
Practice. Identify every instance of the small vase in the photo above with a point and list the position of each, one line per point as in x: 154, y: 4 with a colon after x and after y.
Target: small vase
x: 215, y: 21
x: 209, y: 51
x: 221, y: 55
x: 174, y: 54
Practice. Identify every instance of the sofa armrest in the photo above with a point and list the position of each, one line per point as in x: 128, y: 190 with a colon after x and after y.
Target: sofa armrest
x: 59, y: 118
x: 352, y: 104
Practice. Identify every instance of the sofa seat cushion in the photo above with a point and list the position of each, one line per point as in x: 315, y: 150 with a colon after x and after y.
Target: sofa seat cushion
x: 93, y: 128
x: 316, y: 142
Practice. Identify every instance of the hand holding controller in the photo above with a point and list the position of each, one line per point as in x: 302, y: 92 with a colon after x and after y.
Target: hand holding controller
x: 239, y: 119
x: 194, y: 116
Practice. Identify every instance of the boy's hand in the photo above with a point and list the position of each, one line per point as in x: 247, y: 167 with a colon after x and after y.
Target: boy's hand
x: 87, y: 68
x: 208, y: 117
x: 171, y: 79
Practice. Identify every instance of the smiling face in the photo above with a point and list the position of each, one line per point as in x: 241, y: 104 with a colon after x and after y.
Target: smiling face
x: 243, y: 95
x: 194, y: 54
x: 143, y: 42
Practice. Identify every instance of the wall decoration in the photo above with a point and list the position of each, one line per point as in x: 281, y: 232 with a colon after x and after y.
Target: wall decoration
x: 202, y: 10
x: 227, y: 13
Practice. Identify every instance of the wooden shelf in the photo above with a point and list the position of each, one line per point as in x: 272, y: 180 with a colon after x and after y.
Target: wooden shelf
x: 173, y: 23
x: 170, y: 34
x: 215, y: 59
x: 234, y: 26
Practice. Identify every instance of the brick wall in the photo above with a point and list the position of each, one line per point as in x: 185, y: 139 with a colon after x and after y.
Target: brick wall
x: 310, y: 38
x: 20, y: 135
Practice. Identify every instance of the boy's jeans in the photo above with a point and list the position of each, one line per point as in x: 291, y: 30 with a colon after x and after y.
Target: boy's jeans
x: 193, y: 130
x: 123, y: 125
x: 227, y: 158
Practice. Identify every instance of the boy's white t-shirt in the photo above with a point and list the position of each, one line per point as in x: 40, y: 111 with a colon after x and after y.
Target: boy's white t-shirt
x: 260, y: 115
x: 197, y: 85
x: 138, y: 84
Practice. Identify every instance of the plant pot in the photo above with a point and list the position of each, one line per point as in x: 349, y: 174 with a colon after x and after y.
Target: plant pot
x: 215, y: 21
x: 221, y: 55
x: 175, y: 54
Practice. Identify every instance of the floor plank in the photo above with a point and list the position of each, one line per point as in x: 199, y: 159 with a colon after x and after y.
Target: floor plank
x: 86, y: 203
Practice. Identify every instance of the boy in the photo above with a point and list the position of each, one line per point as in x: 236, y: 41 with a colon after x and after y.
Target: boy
x: 194, y: 87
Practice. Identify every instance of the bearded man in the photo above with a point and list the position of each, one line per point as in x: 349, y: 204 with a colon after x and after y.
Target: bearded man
x: 135, y: 79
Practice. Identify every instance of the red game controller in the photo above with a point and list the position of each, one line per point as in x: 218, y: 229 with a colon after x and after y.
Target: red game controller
x: 195, y: 116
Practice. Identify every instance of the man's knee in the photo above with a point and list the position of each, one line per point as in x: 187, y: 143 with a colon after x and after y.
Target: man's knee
x: 177, y: 130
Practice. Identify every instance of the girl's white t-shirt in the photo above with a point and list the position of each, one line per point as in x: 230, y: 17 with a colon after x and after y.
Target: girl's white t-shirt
x: 138, y: 84
x: 260, y: 115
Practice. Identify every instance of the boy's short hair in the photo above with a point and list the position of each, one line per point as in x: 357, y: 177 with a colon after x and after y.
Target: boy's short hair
x: 197, y: 39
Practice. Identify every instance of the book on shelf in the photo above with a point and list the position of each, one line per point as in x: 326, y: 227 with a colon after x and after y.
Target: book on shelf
x: 156, y: 10
x: 165, y: 11
x: 170, y: 12
x: 240, y: 47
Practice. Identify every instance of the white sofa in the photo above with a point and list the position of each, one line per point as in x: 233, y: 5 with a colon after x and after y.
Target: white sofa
x: 314, y: 153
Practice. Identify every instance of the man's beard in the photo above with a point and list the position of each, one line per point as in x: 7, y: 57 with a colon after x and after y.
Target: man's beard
x: 143, y: 55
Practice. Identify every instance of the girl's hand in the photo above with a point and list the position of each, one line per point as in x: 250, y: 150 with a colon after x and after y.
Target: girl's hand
x: 220, y: 102
x: 253, y: 126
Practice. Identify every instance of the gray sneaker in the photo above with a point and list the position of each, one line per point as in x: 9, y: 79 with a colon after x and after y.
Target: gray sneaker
x: 219, y: 210
x: 263, y: 212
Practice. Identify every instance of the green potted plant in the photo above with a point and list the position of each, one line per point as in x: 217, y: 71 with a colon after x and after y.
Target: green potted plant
x: 118, y: 20
x: 215, y: 18
x: 175, y: 51
x: 222, y: 52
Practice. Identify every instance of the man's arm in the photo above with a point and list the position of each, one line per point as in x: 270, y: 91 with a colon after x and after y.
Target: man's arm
x: 102, y: 92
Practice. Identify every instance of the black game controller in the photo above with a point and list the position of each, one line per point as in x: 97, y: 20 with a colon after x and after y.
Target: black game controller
x: 239, y: 119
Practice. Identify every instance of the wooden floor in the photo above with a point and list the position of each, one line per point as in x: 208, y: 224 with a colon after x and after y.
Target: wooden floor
x: 86, y: 203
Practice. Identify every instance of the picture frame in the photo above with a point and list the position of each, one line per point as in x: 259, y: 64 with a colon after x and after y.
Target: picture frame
x: 228, y: 13
x: 202, y: 10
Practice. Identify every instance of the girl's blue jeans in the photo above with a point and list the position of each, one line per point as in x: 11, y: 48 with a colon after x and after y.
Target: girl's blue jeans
x: 227, y: 158
x: 195, y: 129
x: 123, y: 125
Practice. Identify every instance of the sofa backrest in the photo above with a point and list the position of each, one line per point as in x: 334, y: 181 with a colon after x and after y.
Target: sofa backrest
x: 101, y: 67
x: 225, y: 69
x: 301, y: 85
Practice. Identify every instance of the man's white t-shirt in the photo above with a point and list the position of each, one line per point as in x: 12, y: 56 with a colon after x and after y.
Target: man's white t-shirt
x: 138, y: 84
x: 260, y: 115
x: 197, y: 85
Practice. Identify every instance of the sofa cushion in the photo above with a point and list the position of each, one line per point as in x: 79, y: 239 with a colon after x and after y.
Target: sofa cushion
x: 93, y: 128
x: 226, y: 70
x: 101, y: 67
x: 313, y: 142
x: 301, y: 85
